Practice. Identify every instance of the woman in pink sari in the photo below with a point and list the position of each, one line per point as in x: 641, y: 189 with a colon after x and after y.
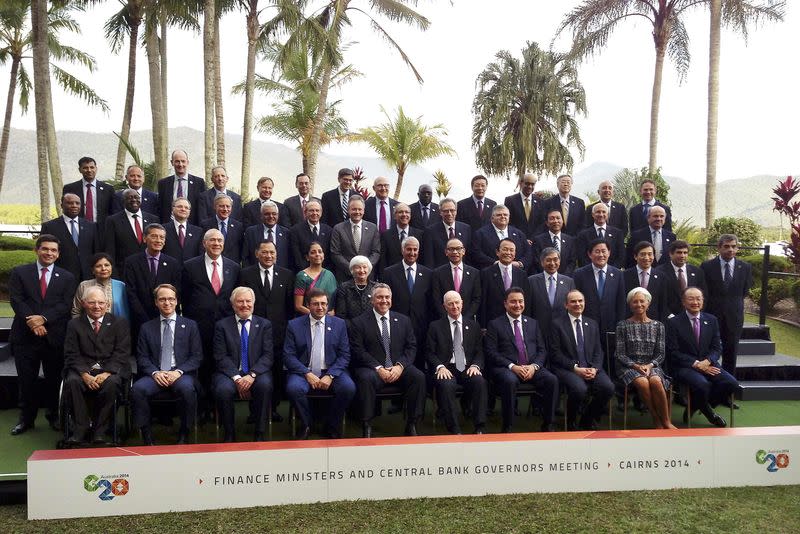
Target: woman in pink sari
x: 314, y: 276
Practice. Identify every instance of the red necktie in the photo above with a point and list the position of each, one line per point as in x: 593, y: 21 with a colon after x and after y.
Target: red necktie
x: 96, y: 327
x: 138, y: 228
x: 303, y: 208
x: 181, y: 235
x: 89, y: 215
x: 43, y: 282
x: 216, y: 285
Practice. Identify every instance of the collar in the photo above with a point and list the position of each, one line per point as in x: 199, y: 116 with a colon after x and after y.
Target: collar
x: 512, y: 319
x: 596, y: 228
x: 208, y: 259
x: 173, y: 317
x: 650, y: 203
x: 311, y: 320
x: 722, y: 262
x: 524, y: 198
x: 595, y: 268
x: 504, y: 230
x: 226, y: 221
x: 378, y: 315
x: 157, y: 255
x: 564, y: 198
x: 547, y: 276
x: 91, y: 321
x: 475, y: 200
x: 654, y: 229
x: 39, y: 267
x: 573, y: 317
x: 453, y: 265
x: 132, y: 213
x: 266, y: 269
x: 639, y: 271
x: 406, y: 266
x: 690, y: 316
x: 460, y: 320
x: 553, y: 236
x: 248, y: 318
x: 184, y: 177
x: 93, y: 183
x: 179, y: 223
x: 68, y: 220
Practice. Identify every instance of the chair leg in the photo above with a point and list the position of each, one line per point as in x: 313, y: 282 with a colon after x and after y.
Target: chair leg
x: 732, y: 410
x: 625, y: 410
x: 269, y: 419
x: 689, y: 408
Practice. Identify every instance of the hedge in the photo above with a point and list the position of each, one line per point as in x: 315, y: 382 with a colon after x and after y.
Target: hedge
x: 10, y: 259
x: 10, y: 242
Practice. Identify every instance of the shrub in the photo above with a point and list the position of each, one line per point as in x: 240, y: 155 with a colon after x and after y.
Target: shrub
x: 10, y: 259
x: 747, y: 230
x: 777, y: 290
x: 776, y: 264
x: 10, y: 242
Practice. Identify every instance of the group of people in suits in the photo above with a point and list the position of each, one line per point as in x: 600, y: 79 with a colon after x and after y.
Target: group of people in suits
x: 471, y: 295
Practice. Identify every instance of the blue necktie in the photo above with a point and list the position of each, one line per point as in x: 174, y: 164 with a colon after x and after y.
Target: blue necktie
x: 223, y: 228
x: 410, y: 280
x: 601, y: 283
x: 727, y: 277
x: 245, y: 343
x: 551, y: 291
x: 581, y: 348
x: 74, y: 232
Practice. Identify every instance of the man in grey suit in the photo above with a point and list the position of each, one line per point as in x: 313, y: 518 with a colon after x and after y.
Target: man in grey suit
x: 548, y: 290
x: 352, y: 238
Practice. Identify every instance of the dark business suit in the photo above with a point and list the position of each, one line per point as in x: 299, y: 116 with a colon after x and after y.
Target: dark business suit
x: 644, y: 234
x: 617, y: 217
x: 516, y: 211
x: 234, y: 238
x: 415, y: 304
x: 613, y: 236
x: 537, y: 302
x: 140, y: 283
x: 565, y: 357
x: 683, y: 350
x: 493, y: 291
x: 75, y: 258
x: 575, y: 217
x: 332, y: 213
x: 435, y: 239
x: 192, y: 242
x: 293, y: 210
x: 297, y: 359
x: 439, y: 352
x: 368, y: 353
x: 149, y: 201
x: 30, y: 350
x: 166, y: 194
x: 255, y: 235
x: 228, y: 360
x: 205, y: 204
x: 83, y: 348
x: 483, y: 249
x: 188, y: 355
x: 103, y: 199
x: 417, y: 220
x: 300, y: 238
x: 609, y: 309
x: 391, y: 248
x: 467, y: 212
x: 470, y: 289
x: 251, y: 213
x: 343, y: 248
x: 120, y: 238
x: 726, y: 303
x: 672, y: 288
x: 655, y: 286
x: 637, y: 218
x: 501, y: 352
x: 568, y: 249
x: 371, y: 210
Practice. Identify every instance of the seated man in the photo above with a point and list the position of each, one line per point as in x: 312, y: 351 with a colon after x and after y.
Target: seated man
x: 243, y: 363
x: 694, y: 349
x: 515, y: 347
x: 383, y: 348
x: 168, y: 355
x: 316, y: 354
x: 578, y: 363
x: 96, y: 352
x: 455, y: 354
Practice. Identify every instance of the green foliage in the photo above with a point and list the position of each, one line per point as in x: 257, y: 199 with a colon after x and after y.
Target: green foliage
x: 777, y: 290
x: 746, y: 230
x: 10, y: 259
x: 9, y: 242
x: 627, y: 183
x: 148, y: 168
x: 443, y: 184
x: 776, y: 264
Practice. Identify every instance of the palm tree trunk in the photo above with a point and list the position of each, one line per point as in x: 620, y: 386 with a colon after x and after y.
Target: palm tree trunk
x: 305, y: 167
x: 401, y: 172
x: 208, y: 67
x: 134, y: 22
x: 156, y: 99
x: 218, y: 111
x: 162, y: 52
x: 53, y: 160
x: 713, y: 111
x: 249, y: 91
x: 319, y: 121
x: 41, y: 80
x: 654, y: 106
x: 12, y: 86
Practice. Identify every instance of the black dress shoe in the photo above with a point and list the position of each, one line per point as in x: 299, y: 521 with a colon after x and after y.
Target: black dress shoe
x: 147, y: 437
x: 727, y: 404
x: 366, y: 430
x: 228, y: 438
x: 303, y: 433
x: 572, y: 426
x: 411, y: 429
x: 259, y: 436
x: 21, y: 428
x: 183, y: 438
x: 480, y: 431
x: 548, y: 428
x: 52, y: 420
x: 101, y: 442
x: 277, y: 418
x: 716, y: 419
x: 507, y: 429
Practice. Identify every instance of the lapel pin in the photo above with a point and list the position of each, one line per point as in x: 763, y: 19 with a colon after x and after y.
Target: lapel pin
x: 257, y: 326
x: 611, y: 275
x: 655, y: 276
x: 183, y: 326
x: 705, y: 322
x: 466, y: 328
x: 692, y: 274
x: 561, y: 282
x: 164, y: 264
x: 56, y: 273
x: 329, y: 329
x: 395, y: 319
x: 189, y: 234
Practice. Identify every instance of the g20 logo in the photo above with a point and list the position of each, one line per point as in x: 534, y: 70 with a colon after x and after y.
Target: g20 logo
x: 110, y: 488
x: 774, y: 459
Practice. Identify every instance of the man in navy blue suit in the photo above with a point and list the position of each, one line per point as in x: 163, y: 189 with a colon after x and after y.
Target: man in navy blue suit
x: 548, y: 291
x: 678, y: 275
x: 476, y: 209
x: 168, y: 356
x: 252, y: 210
x: 617, y: 214
x: 645, y: 275
x: 205, y: 202
x: 124, y: 231
x: 554, y: 236
x: 184, y: 240
x: 268, y: 229
x: 307, y: 231
x: 96, y: 196
x: 438, y: 233
x: 656, y: 233
x: 638, y: 214
x: 41, y: 297
x: 483, y: 251
x: 571, y: 207
x: 379, y: 208
x: 526, y: 212
x: 424, y: 212
x: 232, y: 229
x: 244, y: 358
x: 79, y: 239
x: 496, y: 279
x: 459, y: 276
x: 603, y: 288
x: 336, y: 201
x: 694, y: 349
x: 316, y: 355
x: 515, y: 350
x: 134, y: 177
x: 599, y: 227
x: 179, y: 185
x: 294, y: 206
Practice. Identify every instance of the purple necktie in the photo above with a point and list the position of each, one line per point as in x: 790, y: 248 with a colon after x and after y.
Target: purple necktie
x: 382, y: 222
x: 696, y: 328
x: 506, y: 278
x: 522, y: 359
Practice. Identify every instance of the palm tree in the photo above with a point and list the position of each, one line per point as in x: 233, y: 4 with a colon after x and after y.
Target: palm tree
x: 209, y: 8
x: 525, y: 113
x: 402, y: 141
x: 41, y: 88
x: 443, y: 184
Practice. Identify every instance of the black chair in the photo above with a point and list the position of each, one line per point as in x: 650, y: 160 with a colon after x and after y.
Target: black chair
x: 314, y: 395
x: 121, y: 400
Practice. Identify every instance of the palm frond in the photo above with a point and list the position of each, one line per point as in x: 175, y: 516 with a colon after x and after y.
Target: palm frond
x: 76, y: 87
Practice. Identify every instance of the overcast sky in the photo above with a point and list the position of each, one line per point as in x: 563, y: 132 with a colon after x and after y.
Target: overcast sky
x: 759, y: 109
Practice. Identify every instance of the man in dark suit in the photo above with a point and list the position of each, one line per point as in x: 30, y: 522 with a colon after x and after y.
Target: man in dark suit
x: 458, y: 276
x: 639, y: 214
x: 497, y: 279
x: 644, y: 275
x: 308, y: 231
x: 316, y: 355
x: 392, y: 239
x: 383, y: 348
x: 205, y: 201
x: 180, y: 185
x: 267, y: 229
x: 526, y: 212
x: 554, y: 237
x: 678, y: 274
x: 252, y: 210
x: 96, y: 196
x: 599, y: 228
x: 184, y: 240
x: 435, y: 238
x: 515, y: 350
x: 134, y: 177
x: 232, y: 229
x: 476, y: 209
x: 335, y: 202
x: 97, y: 350
x: 654, y: 233
x: 294, y: 206
x: 124, y: 232
x: 603, y: 289
x: 79, y: 239
x: 455, y: 356
x: 41, y: 297
x: 694, y: 348
x: 168, y: 356
x: 244, y: 359
x: 379, y: 208
x: 576, y: 346
x: 571, y: 207
x: 354, y: 237
x: 483, y: 251
x: 617, y: 214
x: 729, y: 280
x: 424, y: 212
x: 548, y: 291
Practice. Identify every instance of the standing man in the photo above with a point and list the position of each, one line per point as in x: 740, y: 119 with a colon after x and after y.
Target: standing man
x: 383, y: 348
x: 336, y: 201
x: 205, y: 202
x: 643, y: 274
x: 729, y: 280
x: 602, y: 289
x: 548, y: 291
x: 476, y: 209
x: 455, y: 355
x: 600, y: 228
x: 41, y: 297
x: 639, y: 214
x: 96, y: 196
x: 252, y: 210
x: 457, y: 276
x: 571, y: 207
x: 437, y: 234
x: 391, y: 249
x: 168, y: 356
x: 316, y: 355
x: 267, y: 230
x: 656, y: 233
x: 231, y: 229
x: 354, y: 237
x: 617, y: 213
x: 78, y: 237
x: 308, y: 231
x: 379, y: 209
x: 424, y: 212
x: 124, y: 232
x: 184, y: 240
x: 555, y: 237
x: 180, y: 185
x: 498, y: 278
x: 487, y: 238
x: 678, y: 275
x: 134, y: 177
x: 525, y: 210
x: 295, y: 206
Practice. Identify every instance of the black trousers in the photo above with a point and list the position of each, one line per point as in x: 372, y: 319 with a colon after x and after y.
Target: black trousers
x: 411, y: 383
x: 77, y: 394
x: 27, y: 358
x: 475, y: 391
